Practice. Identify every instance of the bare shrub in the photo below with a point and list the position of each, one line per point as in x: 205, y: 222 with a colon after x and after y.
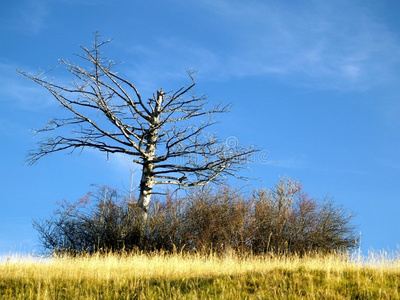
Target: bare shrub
x: 102, y: 221
x: 281, y: 220
x: 165, y: 230
x: 215, y: 220
x: 287, y: 220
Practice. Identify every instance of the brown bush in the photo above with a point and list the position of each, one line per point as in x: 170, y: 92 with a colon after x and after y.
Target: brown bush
x: 287, y: 220
x: 281, y: 220
x: 99, y: 222
x: 216, y: 220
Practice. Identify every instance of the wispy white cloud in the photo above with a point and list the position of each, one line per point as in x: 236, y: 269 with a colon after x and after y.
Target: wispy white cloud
x: 168, y: 63
x: 122, y: 163
x: 323, y: 44
x: 34, y: 15
x: 333, y: 43
x: 19, y: 91
x: 25, y: 16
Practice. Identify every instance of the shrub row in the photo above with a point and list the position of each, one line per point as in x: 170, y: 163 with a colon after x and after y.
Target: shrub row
x: 281, y: 220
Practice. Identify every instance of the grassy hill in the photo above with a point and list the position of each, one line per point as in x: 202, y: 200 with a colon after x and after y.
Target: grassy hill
x: 161, y: 276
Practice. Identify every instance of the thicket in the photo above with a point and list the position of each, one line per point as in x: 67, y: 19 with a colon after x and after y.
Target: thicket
x: 281, y: 220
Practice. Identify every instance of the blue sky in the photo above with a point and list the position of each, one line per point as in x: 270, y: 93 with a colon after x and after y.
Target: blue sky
x: 314, y: 83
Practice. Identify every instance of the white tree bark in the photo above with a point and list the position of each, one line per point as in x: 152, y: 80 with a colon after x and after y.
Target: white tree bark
x: 148, y: 181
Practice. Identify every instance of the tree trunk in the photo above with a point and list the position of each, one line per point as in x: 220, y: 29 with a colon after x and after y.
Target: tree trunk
x: 146, y: 186
x: 147, y: 181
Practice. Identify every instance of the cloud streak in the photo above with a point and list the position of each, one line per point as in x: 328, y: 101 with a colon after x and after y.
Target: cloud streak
x: 17, y: 90
x: 34, y: 15
x: 329, y: 45
x: 26, y: 16
x: 339, y: 44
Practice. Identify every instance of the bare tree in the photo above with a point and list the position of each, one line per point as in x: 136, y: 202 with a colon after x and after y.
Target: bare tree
x: 108, y: 113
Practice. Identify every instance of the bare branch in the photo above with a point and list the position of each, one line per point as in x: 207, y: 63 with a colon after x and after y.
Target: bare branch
x: 166, y: 135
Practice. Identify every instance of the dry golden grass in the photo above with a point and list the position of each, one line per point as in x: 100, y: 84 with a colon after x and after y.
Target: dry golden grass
x: 142, y: 276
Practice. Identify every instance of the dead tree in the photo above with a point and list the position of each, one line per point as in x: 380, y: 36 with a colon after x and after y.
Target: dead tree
x: 108, y: 113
